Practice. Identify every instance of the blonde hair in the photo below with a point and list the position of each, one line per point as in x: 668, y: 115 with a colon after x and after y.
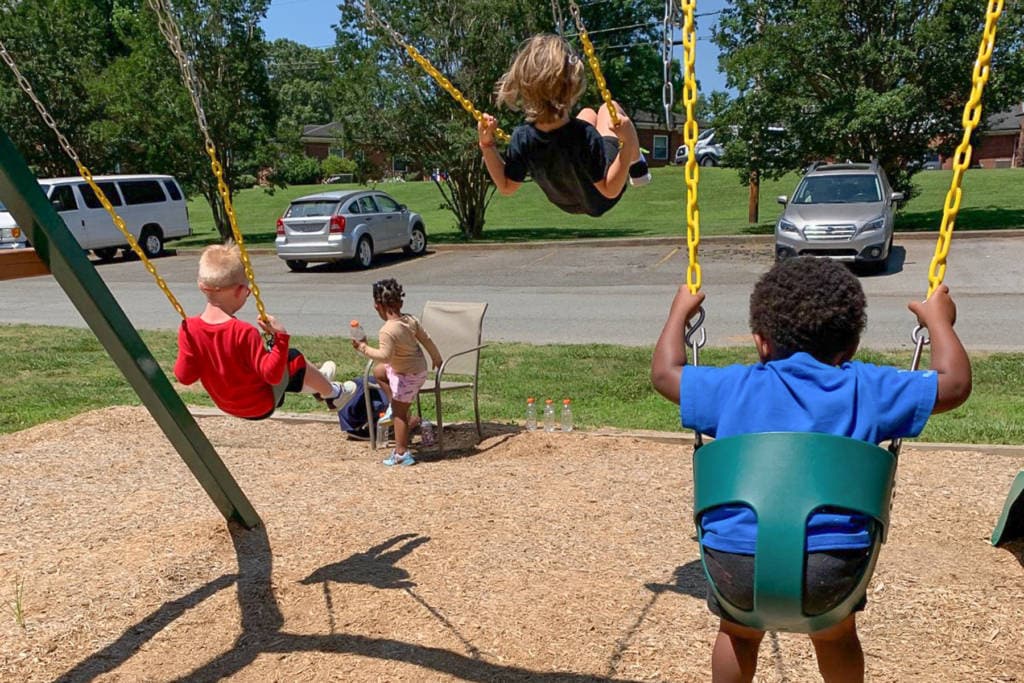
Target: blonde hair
x: 545, y: 80
x: 220, y: 267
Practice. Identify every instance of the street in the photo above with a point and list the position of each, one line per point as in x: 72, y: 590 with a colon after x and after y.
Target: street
x: 567, y: 293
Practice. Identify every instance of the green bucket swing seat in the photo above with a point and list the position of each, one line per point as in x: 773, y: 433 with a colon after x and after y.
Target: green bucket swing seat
x: 784, y: 477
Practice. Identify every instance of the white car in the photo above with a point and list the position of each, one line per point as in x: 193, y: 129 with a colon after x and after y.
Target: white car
x: 11, y: 236
x: 353, y: 224
x: 709, y: 152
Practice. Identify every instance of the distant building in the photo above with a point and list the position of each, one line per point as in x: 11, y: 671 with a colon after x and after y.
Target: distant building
x: 998, y: 145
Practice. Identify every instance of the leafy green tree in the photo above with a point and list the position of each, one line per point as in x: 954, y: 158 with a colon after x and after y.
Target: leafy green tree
x: 302, y: 81
x: 862, y: 79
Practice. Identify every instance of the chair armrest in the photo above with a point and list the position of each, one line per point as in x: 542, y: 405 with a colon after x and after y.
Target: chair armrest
x: 444, y: 363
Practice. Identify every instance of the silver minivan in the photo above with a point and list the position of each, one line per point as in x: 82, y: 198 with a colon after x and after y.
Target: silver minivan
x: 333, y: 226
x: 842, y: 211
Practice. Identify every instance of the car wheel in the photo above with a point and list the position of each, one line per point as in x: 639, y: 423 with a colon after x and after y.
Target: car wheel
x: 296, y: 266
x: 106, y: 254
x: 417, y: 241
x: 152, y: 241
x: 708, y: 161
x: 364, y: 252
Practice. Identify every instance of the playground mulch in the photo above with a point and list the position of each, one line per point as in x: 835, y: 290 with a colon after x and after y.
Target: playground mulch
x: 531, y: 557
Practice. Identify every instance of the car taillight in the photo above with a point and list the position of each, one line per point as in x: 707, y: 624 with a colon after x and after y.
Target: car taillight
x: 280, y: 226
x: 337, y: 224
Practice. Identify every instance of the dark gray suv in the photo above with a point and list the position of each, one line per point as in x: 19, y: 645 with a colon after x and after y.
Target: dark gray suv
x: 842, y: 211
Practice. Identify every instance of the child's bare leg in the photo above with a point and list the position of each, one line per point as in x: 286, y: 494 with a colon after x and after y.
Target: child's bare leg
x: 400, y: 414
x: 315, y: 383
x: 734, y: 658
x: 590, y: 116
x: 630, y: 141
x: 840, y: 657
x: 380, y: 373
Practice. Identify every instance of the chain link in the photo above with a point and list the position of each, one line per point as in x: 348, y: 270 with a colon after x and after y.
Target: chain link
x: 668, y: 96
x: 86, y: 174
x: 595, y: 66
x: 431, y: 70
x: 169, y: 29
x: 556, y: 15
x: 692, y: 172
x: 962, y: 157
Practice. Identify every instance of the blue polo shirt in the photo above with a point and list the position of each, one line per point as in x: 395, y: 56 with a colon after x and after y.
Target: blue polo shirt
x: 800, y: 394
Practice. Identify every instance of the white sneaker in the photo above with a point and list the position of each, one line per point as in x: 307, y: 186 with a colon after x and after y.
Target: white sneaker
x: 642, y: 180
x: 386, y: 417
x: 329, y: 369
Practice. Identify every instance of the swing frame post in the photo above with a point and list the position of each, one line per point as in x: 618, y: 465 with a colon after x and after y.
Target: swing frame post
x: 62, y: 255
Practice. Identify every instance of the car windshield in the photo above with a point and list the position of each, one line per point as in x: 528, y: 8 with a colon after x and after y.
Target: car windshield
x: 2, y: 207
x: 844, y: 189
x: 314, y: 208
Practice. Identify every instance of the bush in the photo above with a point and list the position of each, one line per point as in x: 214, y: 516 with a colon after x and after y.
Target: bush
x: 245, y: 181
x: 298, y: 169
x: 333, y: 165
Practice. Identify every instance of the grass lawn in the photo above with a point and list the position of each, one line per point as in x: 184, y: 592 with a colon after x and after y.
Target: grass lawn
x: 990, y: 201
x: 54, y: 372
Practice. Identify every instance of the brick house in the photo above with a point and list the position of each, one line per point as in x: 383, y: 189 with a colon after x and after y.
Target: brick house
x: 998, y: 145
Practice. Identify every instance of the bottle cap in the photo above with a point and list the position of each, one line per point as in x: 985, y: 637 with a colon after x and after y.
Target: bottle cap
x: 353, y: 323
x: 565, y: 401
x: 548, y: 401
x: 531, y: 399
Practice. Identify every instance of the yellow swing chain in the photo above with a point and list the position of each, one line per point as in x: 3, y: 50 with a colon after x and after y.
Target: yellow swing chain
x: 962, y: 157
x: 595, y: 66
x: 692, y: 172
x: 169, y: 29
x: 48, y: 119
x: 431, y: 70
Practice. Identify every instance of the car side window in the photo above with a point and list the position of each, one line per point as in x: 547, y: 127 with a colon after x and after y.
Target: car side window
x: 172, y: 190
x: 63, y: 198
x: 142, y: 192
x: 387, y: 204
x: 93, y: 202
x: 366, y: 205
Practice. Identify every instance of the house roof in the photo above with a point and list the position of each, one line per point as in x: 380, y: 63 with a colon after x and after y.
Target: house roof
x: 1008, y: 121
x: 323, y: 132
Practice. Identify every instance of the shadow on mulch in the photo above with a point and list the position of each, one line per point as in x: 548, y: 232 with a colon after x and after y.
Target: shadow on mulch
x: 1015, y: 548
x: 262, y: 620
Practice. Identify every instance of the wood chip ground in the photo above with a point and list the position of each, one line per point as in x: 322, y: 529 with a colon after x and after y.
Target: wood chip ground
x: 530, y: 557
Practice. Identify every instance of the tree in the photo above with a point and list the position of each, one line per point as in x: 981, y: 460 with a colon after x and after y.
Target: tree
x: 302, y: 81
x: 863, y: 79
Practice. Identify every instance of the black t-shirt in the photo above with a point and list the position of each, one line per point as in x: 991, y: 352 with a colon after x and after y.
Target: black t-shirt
x: 565, y: 163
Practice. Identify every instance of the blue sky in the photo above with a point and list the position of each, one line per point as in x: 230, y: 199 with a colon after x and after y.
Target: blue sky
x: 310, y: 22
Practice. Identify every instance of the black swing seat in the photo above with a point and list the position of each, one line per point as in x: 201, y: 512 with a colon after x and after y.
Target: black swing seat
x: 784, y: 477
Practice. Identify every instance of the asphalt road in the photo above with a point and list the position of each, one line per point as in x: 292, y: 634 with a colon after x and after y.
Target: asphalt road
x: 569, y: 293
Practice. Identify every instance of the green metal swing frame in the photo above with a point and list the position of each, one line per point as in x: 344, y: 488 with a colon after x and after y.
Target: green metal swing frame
x: 784, y: 477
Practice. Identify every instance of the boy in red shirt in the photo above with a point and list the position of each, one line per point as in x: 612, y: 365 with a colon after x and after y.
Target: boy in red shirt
x: 228, y: 356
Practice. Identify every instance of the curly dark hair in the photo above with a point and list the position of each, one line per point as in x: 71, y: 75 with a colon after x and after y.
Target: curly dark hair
x: 809, y: 304
x: 388, y: 293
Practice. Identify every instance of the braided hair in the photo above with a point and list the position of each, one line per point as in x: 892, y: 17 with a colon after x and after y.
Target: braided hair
x: 388, y: 293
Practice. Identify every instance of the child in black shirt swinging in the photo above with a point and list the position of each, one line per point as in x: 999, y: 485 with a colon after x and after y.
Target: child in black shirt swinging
x: 581, y: 163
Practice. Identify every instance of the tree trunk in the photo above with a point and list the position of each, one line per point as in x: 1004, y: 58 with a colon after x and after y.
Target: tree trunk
x: 220, y: 216
x: 755, y: 194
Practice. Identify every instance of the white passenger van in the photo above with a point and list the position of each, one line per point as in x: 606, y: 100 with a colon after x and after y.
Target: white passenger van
x: 152, y: 206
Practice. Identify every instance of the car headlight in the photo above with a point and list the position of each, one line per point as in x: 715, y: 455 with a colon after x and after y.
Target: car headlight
x: 876, y: 224
x: 786, y: 226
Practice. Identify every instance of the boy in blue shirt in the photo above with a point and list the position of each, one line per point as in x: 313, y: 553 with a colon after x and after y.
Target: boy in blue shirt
x: 806, y: 316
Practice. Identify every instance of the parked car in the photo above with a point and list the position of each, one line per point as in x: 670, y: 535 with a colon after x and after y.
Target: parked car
x: 152, y: 207
x: 709, y: 151
x: 842, y: 211
x: 357, y: 224
x: 11, y: 236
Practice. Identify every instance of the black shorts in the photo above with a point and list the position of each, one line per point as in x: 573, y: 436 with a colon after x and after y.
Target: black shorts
x: 291, y: 382
x: 829, y: 578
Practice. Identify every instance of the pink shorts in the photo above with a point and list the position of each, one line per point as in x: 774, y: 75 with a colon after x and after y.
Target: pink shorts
x: 405, y: 387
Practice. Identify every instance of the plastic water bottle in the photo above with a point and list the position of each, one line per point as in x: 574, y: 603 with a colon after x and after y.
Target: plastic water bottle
x: 356, y: 331
x: 383, y: 431
x: 566, y: 416
x: 427, y: 433
x: 531, y: 414
x: 549, y: 415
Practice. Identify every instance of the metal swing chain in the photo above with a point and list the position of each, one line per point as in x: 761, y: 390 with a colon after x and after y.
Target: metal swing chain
x: 668, y: 96
x: 961, y: 162
x: 556, y: 16
x: 86, y: 174
x: 169, y: 29
x: 595, y: 66
x: 431, y: 70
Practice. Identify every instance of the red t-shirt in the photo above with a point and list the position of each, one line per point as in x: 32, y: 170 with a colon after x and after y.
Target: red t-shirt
x: 232, y: 363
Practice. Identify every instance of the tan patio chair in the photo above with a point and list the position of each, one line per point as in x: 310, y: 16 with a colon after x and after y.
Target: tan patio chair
x: 457, y: 330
